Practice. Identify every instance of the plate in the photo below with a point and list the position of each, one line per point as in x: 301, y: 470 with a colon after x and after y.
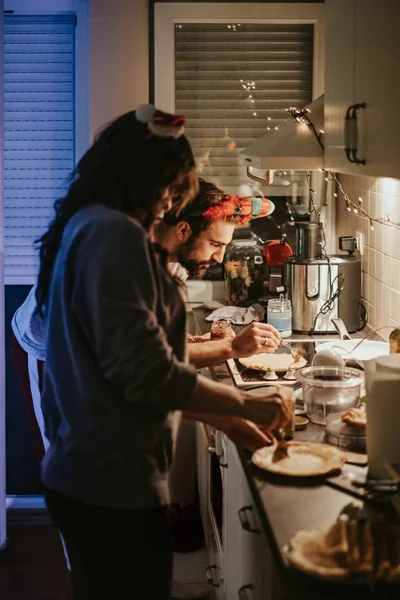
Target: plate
x: 365, y: 351
x: 351, y: 551
x: 276, y: 362
x: 306, y: 459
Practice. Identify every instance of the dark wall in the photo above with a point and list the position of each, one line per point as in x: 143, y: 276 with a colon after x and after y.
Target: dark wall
x: 22, y: 465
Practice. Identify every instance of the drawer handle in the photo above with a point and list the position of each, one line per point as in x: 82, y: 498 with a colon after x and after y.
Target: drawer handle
x: 222, y: 464
x: 246, y: 592
x: 244, y: 520
x: 351, y: 134
x: 210, y: 572
x: 211, y: 449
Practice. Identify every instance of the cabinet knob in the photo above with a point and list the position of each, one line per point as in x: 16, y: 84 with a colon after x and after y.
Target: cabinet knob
x: 246, y: 592
x: 213, y: 576
x: 244, y: 520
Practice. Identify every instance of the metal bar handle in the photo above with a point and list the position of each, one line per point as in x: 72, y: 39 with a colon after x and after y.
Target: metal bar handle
x: 244, y: 520
x: 246, y: 592
x: 351, y: 134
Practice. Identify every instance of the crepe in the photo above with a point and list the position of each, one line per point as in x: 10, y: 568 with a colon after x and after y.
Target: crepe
x: 303, y: 459
x: 356, y: 417
x: 276, y: 362
x: 350, y: 548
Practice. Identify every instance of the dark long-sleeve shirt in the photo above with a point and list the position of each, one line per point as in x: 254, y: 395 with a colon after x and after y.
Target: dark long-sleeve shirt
x: 115, y: 374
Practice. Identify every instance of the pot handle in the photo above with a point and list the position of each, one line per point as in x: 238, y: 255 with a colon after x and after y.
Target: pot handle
x: 341, y: 328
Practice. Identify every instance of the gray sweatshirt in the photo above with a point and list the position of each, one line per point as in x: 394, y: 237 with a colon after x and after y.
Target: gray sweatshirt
x: 114, y: 374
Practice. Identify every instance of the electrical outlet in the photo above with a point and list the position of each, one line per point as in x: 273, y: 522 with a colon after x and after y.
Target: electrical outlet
x: 360, y: 242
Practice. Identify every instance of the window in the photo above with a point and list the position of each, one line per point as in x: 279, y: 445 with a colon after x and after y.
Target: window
x: 233, y: 81
x: 39, y: 126
x: 233, y: 69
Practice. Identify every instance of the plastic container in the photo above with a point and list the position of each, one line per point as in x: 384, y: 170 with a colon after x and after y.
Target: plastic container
x: 279, y: 315
x: 328, y: 390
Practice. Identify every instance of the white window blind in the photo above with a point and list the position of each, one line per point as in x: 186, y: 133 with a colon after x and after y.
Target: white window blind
x: 233, y: 81
x: 39, y: 131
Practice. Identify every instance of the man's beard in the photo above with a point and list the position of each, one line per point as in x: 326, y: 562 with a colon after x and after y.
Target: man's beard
x: 196, y: 269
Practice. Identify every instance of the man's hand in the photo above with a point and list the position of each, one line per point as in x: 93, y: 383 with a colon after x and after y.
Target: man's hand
x: 246, y: 434
x: 255, y: 338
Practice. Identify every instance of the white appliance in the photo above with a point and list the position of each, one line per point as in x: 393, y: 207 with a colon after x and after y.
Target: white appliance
x: 293, y: 147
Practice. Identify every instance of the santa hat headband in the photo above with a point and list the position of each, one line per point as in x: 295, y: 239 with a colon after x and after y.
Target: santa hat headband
x: 239, y: 206
x: 160, y: 123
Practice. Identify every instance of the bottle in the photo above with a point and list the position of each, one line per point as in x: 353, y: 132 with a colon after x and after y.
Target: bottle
x: 394, y: 341
x: 279, y: 315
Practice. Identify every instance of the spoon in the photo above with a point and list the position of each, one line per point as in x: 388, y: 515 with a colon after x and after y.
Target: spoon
x: 281, y: 451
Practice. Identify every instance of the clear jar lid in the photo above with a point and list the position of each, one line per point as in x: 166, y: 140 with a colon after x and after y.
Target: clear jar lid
x: 280, y: 304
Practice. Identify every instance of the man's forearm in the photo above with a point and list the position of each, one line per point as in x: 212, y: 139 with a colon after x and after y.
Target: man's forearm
x: 208, y: 353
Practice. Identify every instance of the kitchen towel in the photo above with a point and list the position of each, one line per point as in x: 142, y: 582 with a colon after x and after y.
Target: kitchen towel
x: 237, y: 314
x: 382, y: 382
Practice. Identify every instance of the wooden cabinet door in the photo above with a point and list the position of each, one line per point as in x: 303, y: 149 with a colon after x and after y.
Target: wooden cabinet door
x: 231, y: 526
x: 377, y: 84
x: 339, y: 80
x: 256, y: 576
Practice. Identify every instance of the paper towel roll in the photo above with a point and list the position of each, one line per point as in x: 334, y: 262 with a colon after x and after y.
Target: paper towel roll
x: 382, y: 379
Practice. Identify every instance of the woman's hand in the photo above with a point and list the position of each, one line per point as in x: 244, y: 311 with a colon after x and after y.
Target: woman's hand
x: 255, y: 338
x: 246, y: 434
x: 271, y: 407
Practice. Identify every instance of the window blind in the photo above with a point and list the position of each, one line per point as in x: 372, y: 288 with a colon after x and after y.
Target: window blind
x: 39, y: 131
x: 233, y: 81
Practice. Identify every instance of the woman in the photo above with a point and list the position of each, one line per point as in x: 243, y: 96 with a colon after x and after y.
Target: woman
x: 115, y: 378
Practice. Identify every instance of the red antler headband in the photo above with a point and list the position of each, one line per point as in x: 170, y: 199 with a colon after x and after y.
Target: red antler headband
x: 244, y: 208
x: 160, y: 123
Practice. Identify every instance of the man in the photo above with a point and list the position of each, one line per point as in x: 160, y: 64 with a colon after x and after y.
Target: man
x: 196, y: 239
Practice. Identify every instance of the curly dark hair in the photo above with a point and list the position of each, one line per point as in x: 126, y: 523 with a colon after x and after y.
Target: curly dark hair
x: 208, y: 195
x: 126, y: 169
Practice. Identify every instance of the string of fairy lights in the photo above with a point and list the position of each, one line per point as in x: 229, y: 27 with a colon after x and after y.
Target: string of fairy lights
x: 301, y: 116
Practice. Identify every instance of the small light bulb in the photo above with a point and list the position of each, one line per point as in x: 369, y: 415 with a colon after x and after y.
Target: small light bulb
x: 241, y: 81
x: 360, y: 199
x: 269, y: 118
x: 335, y: 195
x: 252, y: 101
x: 250, y: 96
x: 254, y: 114
x: 321, y: 131
x: 372, y: 227
x: 326, y: 179
x: 268, y: 128
x: 276, y: 128
x: 355, y: 211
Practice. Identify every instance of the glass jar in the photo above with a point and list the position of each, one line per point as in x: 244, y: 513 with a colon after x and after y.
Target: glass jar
x: 221, y: 330
x: 244, y: 273
x: 279, y: 315
x: 394, y: 341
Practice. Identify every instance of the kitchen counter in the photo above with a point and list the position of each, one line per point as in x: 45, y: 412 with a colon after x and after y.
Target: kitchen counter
x: 285, y: 507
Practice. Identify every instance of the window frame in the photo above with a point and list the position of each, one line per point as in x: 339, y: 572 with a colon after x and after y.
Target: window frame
x: 79, y: 8
x: 167, y: 14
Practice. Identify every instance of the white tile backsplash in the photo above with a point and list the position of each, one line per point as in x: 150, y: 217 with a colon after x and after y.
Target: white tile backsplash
x: 381, y: 255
